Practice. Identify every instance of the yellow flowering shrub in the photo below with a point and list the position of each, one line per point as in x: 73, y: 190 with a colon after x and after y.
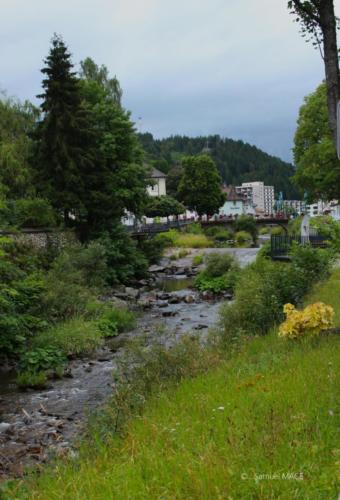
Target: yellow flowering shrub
x: 308, y: 322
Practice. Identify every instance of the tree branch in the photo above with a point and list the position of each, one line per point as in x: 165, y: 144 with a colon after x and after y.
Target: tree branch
x: 300, y: 6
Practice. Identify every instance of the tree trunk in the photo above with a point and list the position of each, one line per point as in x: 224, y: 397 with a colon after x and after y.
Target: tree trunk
x: 328, y: 27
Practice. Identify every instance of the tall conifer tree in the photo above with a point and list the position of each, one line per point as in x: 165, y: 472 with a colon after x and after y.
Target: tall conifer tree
x: 63, y: 136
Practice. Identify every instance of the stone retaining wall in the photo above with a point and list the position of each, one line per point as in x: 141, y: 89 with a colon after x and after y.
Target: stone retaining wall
x: 42, y: 238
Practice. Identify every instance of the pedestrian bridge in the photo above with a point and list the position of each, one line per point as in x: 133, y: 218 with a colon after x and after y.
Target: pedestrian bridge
x: 162, y: 227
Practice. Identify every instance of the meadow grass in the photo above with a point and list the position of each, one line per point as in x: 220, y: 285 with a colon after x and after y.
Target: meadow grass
x: 329, y: 293
x: 260, y: 423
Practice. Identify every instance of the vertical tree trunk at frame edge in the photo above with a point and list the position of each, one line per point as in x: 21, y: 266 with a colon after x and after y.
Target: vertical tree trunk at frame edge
x: 328, y: 27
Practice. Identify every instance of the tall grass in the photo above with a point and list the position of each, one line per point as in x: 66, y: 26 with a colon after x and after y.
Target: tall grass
x: 260, y: 425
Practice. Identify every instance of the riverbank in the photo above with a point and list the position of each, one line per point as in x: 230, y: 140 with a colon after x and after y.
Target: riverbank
x: 260, y: 424
x: 39, y: 424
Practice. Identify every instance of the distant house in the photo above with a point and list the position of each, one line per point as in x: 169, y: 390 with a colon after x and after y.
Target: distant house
x: 159, y: 183
x: 236, y: 203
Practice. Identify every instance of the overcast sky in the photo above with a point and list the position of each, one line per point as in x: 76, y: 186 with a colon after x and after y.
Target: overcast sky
x: 238, y: 68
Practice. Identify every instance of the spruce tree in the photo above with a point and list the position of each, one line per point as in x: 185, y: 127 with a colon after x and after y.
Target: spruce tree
x: 64, y: 135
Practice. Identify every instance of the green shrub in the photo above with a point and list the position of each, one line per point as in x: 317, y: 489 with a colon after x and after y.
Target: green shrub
x: 32, y: 380
x: 218, y: 264
x: 243, y: 239
x: 211, y: 231
x: 277, y: 231
x: 125, y: 262
x: 153, y: 248
x: 246, y: 223
x: 173, y: 256
x: 218, y: 284
x: 264, y: 230
x: 122, y: 320
x: 194, y: 228
x: 192, y: 241
x: 223, y: 235
x: 183, y: 253
x: 265, y: 286
x: 33, y: 212
x: 197, y: 260
x: 41, y: 359
x: 74, y: 337
x: 168, y: 239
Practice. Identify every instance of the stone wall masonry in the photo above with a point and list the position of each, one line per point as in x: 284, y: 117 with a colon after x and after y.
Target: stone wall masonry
x: 42, y: 238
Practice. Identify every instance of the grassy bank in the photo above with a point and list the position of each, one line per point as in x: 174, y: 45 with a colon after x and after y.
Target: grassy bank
x: 261, y: 424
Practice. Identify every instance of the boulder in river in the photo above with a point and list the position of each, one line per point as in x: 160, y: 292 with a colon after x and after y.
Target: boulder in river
x: 156, y: 269
x: 189, y: 299
x: 132, y: 293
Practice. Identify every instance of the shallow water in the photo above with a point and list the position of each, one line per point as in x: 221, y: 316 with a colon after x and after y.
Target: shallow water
x: 52, y: 419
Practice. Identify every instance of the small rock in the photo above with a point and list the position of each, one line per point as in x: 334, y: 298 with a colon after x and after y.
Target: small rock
x: 156, y: 269
x: 4, y: 426
x: 144, y: 303
x: 200, y: 327
x: 168, y: 314
x: 174, y: 299
x: 206, y: 295
x: 68, y: 373
x: 132, y: 292
x: 189, y: 299
x: 163, y: 303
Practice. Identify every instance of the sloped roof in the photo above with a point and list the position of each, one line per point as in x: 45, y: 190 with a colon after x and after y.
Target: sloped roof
x: 157, y: 174
x: 232, y: 194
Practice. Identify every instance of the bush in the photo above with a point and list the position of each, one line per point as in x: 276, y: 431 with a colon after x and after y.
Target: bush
x: 125, y: 262
x: 309, y: 322
x: 222, y: 236
x: 31, y: 380
x: 265, y: 286
x: 194, y: 228
x: 197, y: 260
x: 115, y: 321
x: 243, y: 239
x: 168, y: 239
x: 32, y: 212
x: 153, y: 249
x: 218, y: 264
x: 264, y: 230
x: 220, y: 273
x: 74, y: 337
x: 41, y: 359
x: 246, y: 223
x: 277, y: 231
x: 192, y: 241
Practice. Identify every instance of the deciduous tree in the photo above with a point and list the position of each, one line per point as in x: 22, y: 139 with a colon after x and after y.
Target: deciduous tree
x: 318, y: 168
x: 200, y: 185
x: 318, y: 20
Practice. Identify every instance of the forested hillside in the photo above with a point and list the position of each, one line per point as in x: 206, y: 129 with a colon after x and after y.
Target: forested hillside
x: 237, y: 161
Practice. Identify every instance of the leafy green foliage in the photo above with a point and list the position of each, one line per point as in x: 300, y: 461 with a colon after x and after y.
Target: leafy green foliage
x: 163, y: 206
x: 197, y: 260
x: 318, y: 168
x: 125, y: 262
x: 27, y: 212
x: 243, y: 239
x: 218, y: 264
x: 265, y: 286
x: 41, y: 359
x: 91, y: 72
x: 33, y: 380
x: 220, y: 273
x: 246, y: 223
x: 17, y: 122
x: 200, y: 185
x: 114, y: 321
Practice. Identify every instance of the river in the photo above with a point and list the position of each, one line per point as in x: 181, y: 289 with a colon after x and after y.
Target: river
x: 36, y: 423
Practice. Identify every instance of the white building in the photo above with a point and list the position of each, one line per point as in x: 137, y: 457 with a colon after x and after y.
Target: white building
x: 321, y: 207
x: 295, y: 206
x: 159, y: 185
x: 261, y: 197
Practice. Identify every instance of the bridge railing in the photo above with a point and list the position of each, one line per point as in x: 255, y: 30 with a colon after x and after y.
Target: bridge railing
x: 157, y: 227
x: 280, y: 245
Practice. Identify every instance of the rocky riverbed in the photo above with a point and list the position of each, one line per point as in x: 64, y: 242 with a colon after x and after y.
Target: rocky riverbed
x: 36, y: 424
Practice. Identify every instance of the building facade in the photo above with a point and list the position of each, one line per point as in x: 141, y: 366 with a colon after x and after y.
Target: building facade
x: 236, y: 203
x: 158, y: 188
x: 261, y: 197
x: 294, y: 206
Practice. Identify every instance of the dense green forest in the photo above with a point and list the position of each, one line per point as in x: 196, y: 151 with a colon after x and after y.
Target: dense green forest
x: 237, y: 161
